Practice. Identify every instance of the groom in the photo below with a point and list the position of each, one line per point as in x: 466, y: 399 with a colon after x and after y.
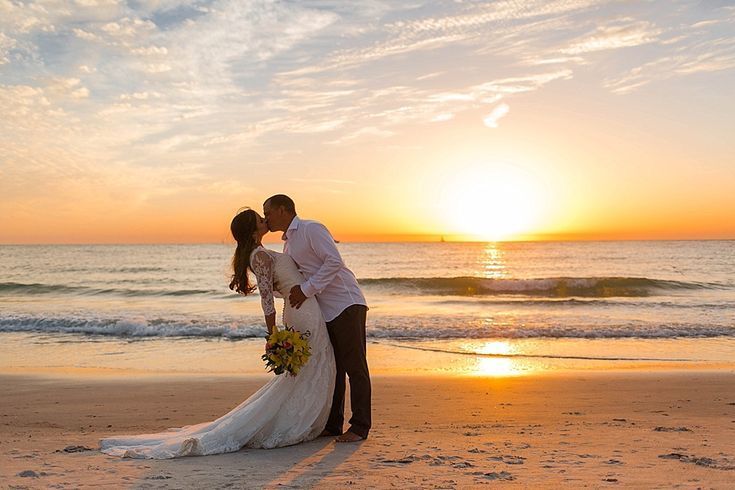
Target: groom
x: 342, y: 303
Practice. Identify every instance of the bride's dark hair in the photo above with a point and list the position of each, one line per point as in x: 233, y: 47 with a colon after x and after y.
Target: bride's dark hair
x: 242, y: 227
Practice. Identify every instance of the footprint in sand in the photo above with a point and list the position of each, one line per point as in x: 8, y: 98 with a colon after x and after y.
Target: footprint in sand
x: 672, y: 429
x: 31, y: 474
x: 501, y: 475
x: 404, y: 460
x: 441, y: 459
x: 73, y: 449
x: 508, y: 459
x: 721, y: 464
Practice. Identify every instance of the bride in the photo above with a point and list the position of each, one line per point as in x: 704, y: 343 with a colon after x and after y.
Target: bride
x: 285, y: 411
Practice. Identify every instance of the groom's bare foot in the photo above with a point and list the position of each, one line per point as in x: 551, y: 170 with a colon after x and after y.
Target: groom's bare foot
x: 326, y: 433
x: 349, y: 437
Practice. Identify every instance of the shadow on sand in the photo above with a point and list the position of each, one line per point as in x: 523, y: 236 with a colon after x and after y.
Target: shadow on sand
x: 301, y: 466
x: 326, y: 456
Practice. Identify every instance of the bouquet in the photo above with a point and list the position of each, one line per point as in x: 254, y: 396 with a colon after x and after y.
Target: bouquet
x: 286, y: 350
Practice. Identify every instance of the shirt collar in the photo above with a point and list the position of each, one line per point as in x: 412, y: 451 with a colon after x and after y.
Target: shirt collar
x: 293, y: 226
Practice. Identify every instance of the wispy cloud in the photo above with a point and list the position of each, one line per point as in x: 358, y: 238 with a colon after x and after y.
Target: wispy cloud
x: 367, y: 132
x: 6, y: 44
x: 623, y: 34
x: 445, y: 116
x: 719, y: 59
x: 695, y: 49
x: 323, y: 181
x: 491, y: 120
x: 516, y: 85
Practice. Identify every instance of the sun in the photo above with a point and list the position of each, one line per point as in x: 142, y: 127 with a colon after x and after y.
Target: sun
x: 490, y: 202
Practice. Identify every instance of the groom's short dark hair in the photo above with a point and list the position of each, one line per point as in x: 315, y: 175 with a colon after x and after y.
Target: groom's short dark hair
x: 282, y: 200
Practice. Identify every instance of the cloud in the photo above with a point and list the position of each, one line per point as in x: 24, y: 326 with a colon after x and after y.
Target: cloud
x: 446, y: 116
x: 620, y: 35
x: 366, y: 132
x: 156, y: 67
x: 80, y: 93
x: 324, y: 181
x: 22, y: 18
x: 150, y: 51
x: 491, y: 120
x: 128, y: 27
x: 452, y: 97
x: 695, y: 50
x: 498, y: 14
x: 6, y: 44
x: 242, y: 33
x: 59, y: 89
x: 717, y: 58
x: 87, y: 36
x: 140, y: 96
x: 556, y: 60
x: 473, y: 28
x: 516, y: 85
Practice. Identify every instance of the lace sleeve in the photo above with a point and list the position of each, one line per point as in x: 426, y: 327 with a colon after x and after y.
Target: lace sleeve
x: 262, y: 265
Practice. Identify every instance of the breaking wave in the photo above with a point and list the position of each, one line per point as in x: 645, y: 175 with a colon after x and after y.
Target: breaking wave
x: 378, y: 328
x: 602, y: 287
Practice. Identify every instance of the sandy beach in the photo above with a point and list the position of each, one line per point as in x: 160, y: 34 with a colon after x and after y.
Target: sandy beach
x: 635, y: 429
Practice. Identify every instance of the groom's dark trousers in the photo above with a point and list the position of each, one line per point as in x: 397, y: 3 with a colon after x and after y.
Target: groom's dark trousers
x: 347, y: 333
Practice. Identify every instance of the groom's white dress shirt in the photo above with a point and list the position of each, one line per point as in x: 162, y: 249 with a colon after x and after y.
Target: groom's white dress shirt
x: 313, y: 249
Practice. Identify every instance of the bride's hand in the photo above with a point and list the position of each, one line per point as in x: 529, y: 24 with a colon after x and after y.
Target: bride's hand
x: 271, y: 329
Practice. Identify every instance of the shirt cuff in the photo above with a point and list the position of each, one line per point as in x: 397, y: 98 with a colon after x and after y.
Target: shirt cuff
x: 308, y: 289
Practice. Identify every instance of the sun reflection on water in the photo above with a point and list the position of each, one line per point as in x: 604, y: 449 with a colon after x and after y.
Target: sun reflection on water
x: 496, y: 366
x: 492, y: 261
x: 495, y: 347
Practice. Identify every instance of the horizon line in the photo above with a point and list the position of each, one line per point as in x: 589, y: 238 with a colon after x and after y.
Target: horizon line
x: 437, y: 239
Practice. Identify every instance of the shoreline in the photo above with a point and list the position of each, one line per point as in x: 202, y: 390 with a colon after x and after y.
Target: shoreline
x: 595, y: 428
x: 71, y: 356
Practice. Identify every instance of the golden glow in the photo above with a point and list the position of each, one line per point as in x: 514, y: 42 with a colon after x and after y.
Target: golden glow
x: 459, y: 142
x: 496, y: 366
x: 492, y: 202
x: 497, y: 347
x: 492, y: 261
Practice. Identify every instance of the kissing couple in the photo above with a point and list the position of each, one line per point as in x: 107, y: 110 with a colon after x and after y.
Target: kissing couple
x: 321, y: 296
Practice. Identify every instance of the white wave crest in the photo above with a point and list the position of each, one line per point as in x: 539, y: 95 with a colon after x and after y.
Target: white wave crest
x: 125, y: 327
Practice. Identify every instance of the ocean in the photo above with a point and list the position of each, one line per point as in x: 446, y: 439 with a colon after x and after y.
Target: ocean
x: 612, y: 300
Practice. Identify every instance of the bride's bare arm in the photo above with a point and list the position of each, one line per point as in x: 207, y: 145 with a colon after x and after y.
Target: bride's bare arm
x: 262, y: 266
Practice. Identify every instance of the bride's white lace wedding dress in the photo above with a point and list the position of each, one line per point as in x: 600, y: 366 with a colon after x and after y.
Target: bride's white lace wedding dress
x: 286, y: 411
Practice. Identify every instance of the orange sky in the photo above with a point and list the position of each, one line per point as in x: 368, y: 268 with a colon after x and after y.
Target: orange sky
x: 468, y: 121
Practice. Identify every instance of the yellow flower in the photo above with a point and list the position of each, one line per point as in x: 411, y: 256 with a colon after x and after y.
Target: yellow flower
x: 287, y: 351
